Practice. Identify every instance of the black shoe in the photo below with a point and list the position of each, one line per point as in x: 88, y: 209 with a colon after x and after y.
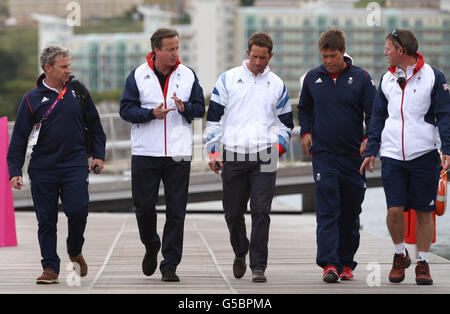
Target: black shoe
x: 150, y: 261
x: 169, y: 275
x: 239, y: 267
x: 258, y: 276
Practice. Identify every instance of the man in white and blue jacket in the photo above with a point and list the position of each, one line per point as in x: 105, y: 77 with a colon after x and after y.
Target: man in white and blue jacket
x: 59, y: 161
x: 410, y: 122
x: 250, y: 120
x: 161, y: 99
x: 336, y: 99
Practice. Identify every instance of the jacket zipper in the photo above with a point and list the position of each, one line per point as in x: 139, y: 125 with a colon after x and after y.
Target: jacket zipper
x: 403, y: 125
x: 166, y: 88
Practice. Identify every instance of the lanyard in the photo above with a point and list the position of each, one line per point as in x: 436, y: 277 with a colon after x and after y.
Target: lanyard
x: 49, y: 110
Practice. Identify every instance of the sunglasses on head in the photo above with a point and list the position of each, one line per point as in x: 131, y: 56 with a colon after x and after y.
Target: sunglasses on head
x: 394, y: 34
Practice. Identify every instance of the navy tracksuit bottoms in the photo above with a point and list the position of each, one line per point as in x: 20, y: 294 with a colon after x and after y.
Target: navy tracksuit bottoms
x: 339, y: 193
x: 47, y: 186
x: 147, y: 173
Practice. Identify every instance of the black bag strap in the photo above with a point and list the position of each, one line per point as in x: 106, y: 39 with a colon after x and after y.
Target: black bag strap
x: 81, y: 96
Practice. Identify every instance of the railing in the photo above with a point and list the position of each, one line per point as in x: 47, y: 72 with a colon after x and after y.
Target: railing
x: 118, y: 146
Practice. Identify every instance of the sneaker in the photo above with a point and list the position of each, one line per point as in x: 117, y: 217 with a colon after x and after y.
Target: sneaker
x: 399, y: 265
x: 347, y: 274
x: 258, y: 276
x: 47, y: 277
x: 81, y: 263
x: 423, y: 276
x: 169, y: 275
x: 239, y: 267
x: 330, y: 274
x: 150, y: 261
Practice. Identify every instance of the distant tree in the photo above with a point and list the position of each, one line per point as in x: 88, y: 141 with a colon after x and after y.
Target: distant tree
x: 9, y: 63
x: 4, y: 11
x: 247, y: 3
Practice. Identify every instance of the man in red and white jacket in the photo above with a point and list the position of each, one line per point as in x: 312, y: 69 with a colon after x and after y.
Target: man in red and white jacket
x: 409, y: 123
x: 161, y: 98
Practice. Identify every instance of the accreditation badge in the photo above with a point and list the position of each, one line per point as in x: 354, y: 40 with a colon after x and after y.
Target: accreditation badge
x: 34, y: 134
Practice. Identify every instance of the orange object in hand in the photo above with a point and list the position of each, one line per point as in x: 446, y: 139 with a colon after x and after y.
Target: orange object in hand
x: 441, y: 200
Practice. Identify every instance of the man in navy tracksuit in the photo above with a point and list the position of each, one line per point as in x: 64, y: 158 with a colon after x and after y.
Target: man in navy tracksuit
x: 335, y: 100
x: 59, y: 161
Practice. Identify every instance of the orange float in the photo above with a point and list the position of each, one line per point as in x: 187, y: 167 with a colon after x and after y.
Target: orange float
x: 411, y: 223
x: 441, y: 200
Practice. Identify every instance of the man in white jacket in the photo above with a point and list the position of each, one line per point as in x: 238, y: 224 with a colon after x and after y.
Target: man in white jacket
x: 161, y: 98
x: 409, y: 123
x: 250, y: 118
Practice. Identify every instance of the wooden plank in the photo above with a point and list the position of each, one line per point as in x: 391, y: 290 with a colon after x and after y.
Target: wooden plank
x: 114, y: 255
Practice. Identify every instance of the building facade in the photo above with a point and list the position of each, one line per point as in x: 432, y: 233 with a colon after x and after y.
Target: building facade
x: 295, y: 32
x: 22, y: 10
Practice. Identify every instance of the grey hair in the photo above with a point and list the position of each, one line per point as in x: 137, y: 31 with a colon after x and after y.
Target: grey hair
x: 49, y: 54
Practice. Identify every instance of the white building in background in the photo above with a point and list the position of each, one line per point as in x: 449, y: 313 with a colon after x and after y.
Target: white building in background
x: 103, y: 61
x: 213, y: 39
x: 295, y: 32
x: 217, y: 39
x: 445, y: 5
x: 22, y: 10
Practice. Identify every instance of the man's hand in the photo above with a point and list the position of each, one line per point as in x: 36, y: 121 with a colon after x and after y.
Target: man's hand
x: 445, y: 159
x: 16, y: 182
x: 362, y: 149
x: 368, y: 163
x: 160, y: 112
x: 307, y: 144
x: 178, y: 102
x: 99, y: 163
x: 215, y: 163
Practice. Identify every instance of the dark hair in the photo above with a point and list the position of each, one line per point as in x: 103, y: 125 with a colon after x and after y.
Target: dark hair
x: 159, y: 35
x: 403, y: 38
x: 260, y: 40
x: 333, y: 39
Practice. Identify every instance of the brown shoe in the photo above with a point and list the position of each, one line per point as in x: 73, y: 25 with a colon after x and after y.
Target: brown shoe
x: 423, y: 276
x: 399, y: 265
x: 47, y: 277
x: 82, y: 264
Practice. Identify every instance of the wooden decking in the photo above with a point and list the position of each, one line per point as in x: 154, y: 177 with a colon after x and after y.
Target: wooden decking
x: 114, y: 254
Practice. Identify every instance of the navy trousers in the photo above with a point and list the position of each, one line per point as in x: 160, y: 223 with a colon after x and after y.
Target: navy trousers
x: 243, y: 181
x: 147, y: 173
x: 339, y: 193
x: 47, y: 186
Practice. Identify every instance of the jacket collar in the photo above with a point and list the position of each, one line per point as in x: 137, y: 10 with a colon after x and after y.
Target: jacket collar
x: 419, y: 65
x: 245, y: 66
x: 347, y: 60
x: 151, y: 62
x: 40, y: 81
